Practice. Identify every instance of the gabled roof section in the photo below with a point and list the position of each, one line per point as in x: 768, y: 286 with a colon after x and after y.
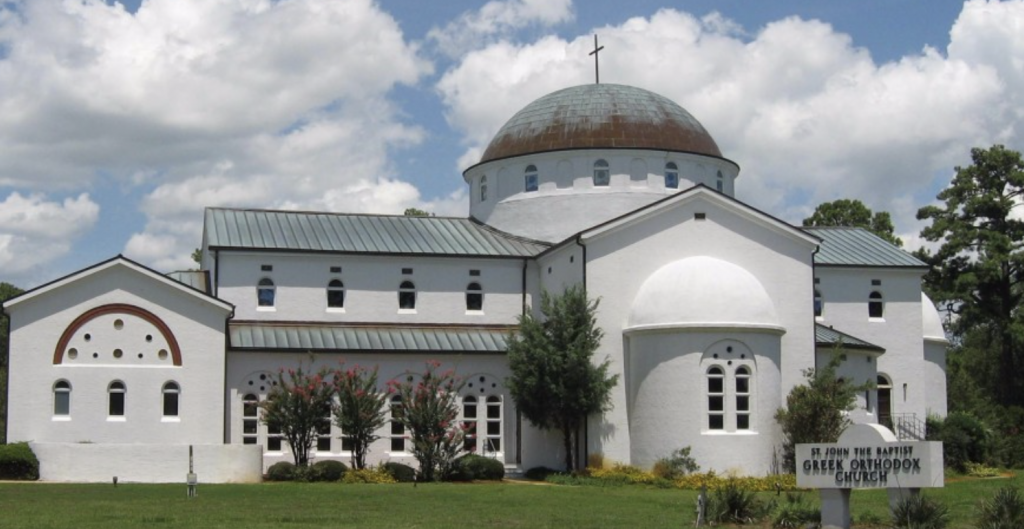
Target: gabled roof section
x: 114, y: 262
x: 829, y: 337
x: 304, y: 337
x: 298, y: 231
x: 859, y: 247
x: 702, y: 191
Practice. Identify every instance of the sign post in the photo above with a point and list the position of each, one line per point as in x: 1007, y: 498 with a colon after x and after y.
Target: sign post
x: 867, y: 456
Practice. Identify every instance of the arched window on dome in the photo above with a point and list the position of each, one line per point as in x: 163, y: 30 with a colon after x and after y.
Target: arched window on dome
x: 716, y: 398
x: 602, y: 175
x: 671, y: 175
x: 483, y: 188
x: 335, y: 294
x: 474, y: 297
x: 530, y: 182
x: 720, y: 183
x: 876, y: 305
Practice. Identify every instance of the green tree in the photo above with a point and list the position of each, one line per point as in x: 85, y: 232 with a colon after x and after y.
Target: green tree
x: 297, y: 406
x: 853, y: 213
x: 197, y: 257
x: 7, y: 291
x: 979, y: 265
x: 430, y: 413
x: 555, y: 382
x: 360, y: 409
x: 413, y: 212
x: 815, y: 411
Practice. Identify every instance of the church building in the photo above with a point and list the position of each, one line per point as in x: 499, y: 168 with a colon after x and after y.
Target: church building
x: 711, y: 312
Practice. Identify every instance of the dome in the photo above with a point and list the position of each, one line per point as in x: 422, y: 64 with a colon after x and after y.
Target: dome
x: 931, y: 322
x: 702, y: 292
x: 601, y: 116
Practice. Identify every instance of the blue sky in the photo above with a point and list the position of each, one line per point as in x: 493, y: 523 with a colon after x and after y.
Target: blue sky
x: 120, y: 122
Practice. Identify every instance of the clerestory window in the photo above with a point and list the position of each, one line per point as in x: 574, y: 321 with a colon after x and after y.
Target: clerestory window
x: 602, y: 175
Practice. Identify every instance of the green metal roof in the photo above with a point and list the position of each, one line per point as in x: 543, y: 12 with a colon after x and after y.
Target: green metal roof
x: 311, y: 337
x: 859, y: 247
x: 829, y: 337
x: 334, y: 232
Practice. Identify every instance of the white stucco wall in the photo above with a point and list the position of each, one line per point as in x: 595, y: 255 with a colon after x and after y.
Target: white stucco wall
x: 371, y: 288
x: 667, y: 391
x: 845, y: 293
x: 36, y: 327
x: 860, y: 368
x: 149, y: 463
x: 566, y: 200
x: 621, y: 260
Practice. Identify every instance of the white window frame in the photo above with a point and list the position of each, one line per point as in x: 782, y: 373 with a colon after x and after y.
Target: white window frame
x: 602, y: 173
x: 531, y: 180
x: 62, y: 392
x: 266, y: 294
x: 120, y: 389
x: 171, y: 390
x: 671, y: 176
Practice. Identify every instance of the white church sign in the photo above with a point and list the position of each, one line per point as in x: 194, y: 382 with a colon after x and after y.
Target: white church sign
x: 867, y: 456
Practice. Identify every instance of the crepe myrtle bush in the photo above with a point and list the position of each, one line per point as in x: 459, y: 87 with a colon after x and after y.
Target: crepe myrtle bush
x: 360, y: 409
x: 430, y: 412
x: 296, y: 406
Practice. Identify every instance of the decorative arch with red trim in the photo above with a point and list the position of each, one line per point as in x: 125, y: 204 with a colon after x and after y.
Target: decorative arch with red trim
x: 117, y: 308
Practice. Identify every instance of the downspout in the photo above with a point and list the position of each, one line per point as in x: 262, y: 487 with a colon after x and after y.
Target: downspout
x: 216, y: 273
x: 814, y: 341
x: 586, y: 420
x: 519, y: 416
x: 7, y: 376
x: 224, y: 391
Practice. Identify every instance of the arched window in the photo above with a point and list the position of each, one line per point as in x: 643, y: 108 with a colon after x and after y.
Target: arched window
x: 602, y: 176
x: 884, y: 387
x: 492, y: 441
x: 250, y: 419
x: 335, y: 294
x: 671, y: 175
x: 62, y: 398
x: 483, y: 188
x: 469, y: 422
x: 474, y: 297
x: 530, y: 182
x: 116, y: 398
x: 716, y: 398
x: 407, y: 295
x: 397, y: 428
x: 720, y: 183
x: 265, y: 292
x: 876, y: 307
x: 818, y: 303
x: 742, y: 398
x: 171, y: 392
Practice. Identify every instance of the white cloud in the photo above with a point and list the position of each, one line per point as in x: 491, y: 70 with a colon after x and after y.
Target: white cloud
x: 809, y: 116
x: 206, y: 103
x: 497, y: 19
x: 34, y: 230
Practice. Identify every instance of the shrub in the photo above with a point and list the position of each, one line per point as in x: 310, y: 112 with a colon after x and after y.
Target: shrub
x: 1004, y: 511
x: 796, y: 512
x: 732, y: 504
x: 328, y: 470
x: 624, y: 473
x: 430, y: 412
x: 919, y: 512
x: 758, y: 484
x: 539, y: 473
x: 18, y: 462
x: 472, y: 466
x: 977, y: 470
x: 368, y: 475
x: 677, y: 465
x: 965, y: 440
x: 281, y: 471
x: 401, y: 473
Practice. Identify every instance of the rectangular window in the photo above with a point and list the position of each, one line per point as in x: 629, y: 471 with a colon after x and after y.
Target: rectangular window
x: 407, y: 271
x: 267, y: 268
x: 323, y: 435
x: 274, y: 439
x: 170, y: 404
x: 62, y: 403
x: 335, y: 269
x: 117, y: 405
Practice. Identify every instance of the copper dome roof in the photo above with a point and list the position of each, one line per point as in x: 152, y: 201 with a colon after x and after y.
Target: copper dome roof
x: 601, y: 116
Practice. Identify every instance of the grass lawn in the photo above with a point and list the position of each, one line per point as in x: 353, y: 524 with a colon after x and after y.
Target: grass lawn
x: 44, y: 505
